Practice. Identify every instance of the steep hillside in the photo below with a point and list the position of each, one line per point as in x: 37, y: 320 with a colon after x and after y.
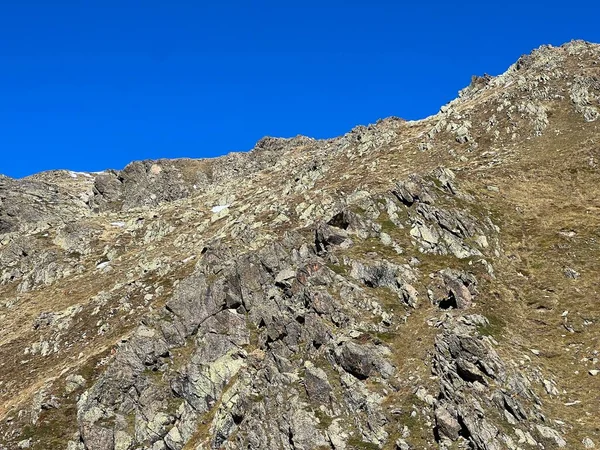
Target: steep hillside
x: 409, y: 285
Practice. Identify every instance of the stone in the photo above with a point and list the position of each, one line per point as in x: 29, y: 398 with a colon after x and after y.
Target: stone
x: 401, y: 444
x: 550, y: 388
x: 362, y: 361
x: 571, y: 273
x: 123, y: 441
x: 452, y: 289
x: 356, y: 360
x: 174, y: 440
x: 410, y: 295
x: 385, y: 239
x: 588, y: 443
x: 74, y: 382
x: 525, y: 437
x: 328, y: 236
x: 316, y: 384
x: 551, y: 434
x: 337, y: 435
x: 463, y: 135
x: 425, y: 233
x: 285, y: 275
x: 424, y: 396
x: 447, y: 424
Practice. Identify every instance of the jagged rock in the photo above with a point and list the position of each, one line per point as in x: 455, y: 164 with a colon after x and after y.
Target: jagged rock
x: 462, y: 135
x: 123, y: 441
x: 550, y: 388
x: 447, y: 424
x: 401, y: 444
x: 349, y: 221
x: 383, y: 275
x: 362, y: 361
x: 72, y: 445
x: 316, y: 384
x: 327, y: 236
x: 25, y: 443
x: 452, y: 289
x: 271, y: 299
x: 424, y: 233
x: 583, y: 99
x: 337, y: 437
x: 571, y: 273
x: 33, y: 204
x: 551, y: 434
x: 413, y: 190
x: 467, y: 364
x: 410, y: 295
x: 525, y: 437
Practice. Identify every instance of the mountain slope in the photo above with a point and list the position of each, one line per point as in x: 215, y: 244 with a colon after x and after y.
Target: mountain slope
x: 427, y: 284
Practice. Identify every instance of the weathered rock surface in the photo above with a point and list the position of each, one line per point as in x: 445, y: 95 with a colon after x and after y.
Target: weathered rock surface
x: 408, y: 285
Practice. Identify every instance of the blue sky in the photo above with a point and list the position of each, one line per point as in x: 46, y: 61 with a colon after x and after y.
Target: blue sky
x: 89, y: 85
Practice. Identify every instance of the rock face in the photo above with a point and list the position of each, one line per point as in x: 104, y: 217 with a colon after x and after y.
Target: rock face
x: 471, y: 374
x: 409, y: 285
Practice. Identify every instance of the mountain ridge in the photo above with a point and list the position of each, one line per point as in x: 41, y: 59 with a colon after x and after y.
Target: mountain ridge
x: 410, y: 284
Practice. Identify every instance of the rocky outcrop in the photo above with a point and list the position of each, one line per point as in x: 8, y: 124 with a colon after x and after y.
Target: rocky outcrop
x: 452, y: 289
x: 411, y: 284
x: 224, y: 309
x: 31, y: 204
x: 480, y: 394
x: 150, y: 183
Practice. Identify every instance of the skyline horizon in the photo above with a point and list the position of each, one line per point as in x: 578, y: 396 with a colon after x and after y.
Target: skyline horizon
x: 87, y: 87
x: 227, y: 152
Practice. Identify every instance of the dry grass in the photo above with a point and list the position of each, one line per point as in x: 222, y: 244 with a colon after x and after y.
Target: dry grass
x: 545, y: 184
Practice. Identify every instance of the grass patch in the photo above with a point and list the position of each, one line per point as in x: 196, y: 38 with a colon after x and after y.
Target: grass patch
x: 356, y: 442
x: 494, y: 328
x: 387, y: 337
x: 324, y: 419
x: 387, y: 225
x: 53, y: 429
x: 339, y: 269
x: 358, y: 210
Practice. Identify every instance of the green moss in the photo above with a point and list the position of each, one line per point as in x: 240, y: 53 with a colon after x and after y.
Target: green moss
x: 412, y: 422
x: 253, y: 331
x: 493, y: 329
x: 130, y: 418
x: 387, y: 337
x: 388, y: 226
x: 431, y: 263
x: 355, y: 442
x: 106, y: 422
x: 358, y: 210
x: 53, y: 429
x: 182, y: 355
x: 324, y: 419
x: 434, y: 180
x: 340, y: 270
x: 375, y: 245
x: 157, y: 378
x: 386, y: 223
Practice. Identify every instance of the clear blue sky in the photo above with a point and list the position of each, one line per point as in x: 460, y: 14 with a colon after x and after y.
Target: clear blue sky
x: 88, y: 85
